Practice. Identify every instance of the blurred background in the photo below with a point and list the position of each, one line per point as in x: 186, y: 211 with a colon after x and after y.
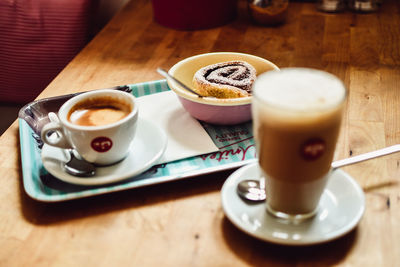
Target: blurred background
x: 38, y: 38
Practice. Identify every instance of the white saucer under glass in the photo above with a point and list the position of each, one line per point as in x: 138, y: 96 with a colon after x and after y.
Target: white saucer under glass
x: 146, y: 149
x: 340, y: 209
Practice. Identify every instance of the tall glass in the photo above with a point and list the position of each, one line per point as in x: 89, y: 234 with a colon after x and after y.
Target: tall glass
x: 297, y: 114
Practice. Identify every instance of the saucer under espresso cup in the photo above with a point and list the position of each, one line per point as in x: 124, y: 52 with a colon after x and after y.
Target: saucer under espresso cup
x: 100, y: 125
x: 340, y: 209
x: 146, y: 150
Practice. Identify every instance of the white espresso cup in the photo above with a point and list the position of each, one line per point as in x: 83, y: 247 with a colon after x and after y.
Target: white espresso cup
x: 100, y: 125
x: 297, y: 115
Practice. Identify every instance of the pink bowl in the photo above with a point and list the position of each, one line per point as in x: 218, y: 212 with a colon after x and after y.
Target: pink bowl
x: 214, y: 110
x: 217, y: 114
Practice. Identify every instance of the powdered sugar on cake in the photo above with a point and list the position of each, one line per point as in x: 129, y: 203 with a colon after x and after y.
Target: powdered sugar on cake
x: 234, y: 75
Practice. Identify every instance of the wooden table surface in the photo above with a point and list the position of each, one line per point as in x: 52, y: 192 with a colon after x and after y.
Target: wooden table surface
x: 182, y: 223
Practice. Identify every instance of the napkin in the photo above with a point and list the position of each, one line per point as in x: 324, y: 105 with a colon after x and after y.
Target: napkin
x: 186, y: 136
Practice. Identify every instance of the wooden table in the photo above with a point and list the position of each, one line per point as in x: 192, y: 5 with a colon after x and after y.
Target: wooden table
x: 182, y: 223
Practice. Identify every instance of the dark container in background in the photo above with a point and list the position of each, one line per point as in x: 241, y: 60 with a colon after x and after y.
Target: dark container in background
x: 194, y: 14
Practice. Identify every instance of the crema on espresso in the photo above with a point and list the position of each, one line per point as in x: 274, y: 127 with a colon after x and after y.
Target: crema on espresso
x: 99, y: 111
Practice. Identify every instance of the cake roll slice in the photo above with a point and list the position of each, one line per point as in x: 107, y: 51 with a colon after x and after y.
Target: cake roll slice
x: 230, y: 79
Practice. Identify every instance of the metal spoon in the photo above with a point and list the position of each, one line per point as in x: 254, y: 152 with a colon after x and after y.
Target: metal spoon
x: 79, y: 167
x: 76, y: 165
x: 167, y: 75
x: 254, y: 190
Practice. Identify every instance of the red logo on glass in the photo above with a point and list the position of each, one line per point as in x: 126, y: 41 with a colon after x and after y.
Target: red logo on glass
x: 313, y: 148
x: 101, y: 144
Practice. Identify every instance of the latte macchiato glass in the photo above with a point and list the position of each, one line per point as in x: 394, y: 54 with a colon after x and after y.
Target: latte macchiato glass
x: 297, y: 114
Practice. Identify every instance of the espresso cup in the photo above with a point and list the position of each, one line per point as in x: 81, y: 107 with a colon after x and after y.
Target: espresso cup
x: 297, y: 115
x: 100, y: 125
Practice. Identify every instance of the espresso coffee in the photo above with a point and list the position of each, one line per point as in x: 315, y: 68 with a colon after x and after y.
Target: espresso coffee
x: 99, y: 125
x: 98, y: 111
x: 296, y: 116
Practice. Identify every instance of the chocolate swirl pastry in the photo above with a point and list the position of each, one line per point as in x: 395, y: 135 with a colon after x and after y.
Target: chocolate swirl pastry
x: 230, y: 79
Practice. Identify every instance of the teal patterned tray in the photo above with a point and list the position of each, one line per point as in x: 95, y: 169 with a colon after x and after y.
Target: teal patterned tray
x: 235, y: 143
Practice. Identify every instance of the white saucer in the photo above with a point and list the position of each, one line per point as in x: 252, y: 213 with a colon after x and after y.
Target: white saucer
x: 341, y: 208
x: 147, y: 148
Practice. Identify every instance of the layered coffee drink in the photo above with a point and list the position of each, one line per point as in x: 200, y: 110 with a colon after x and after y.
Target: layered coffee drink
x: 296, y: 118
x: 99, y: 111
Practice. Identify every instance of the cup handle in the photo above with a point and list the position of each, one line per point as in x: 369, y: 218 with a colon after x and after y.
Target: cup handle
x: 60, y: 141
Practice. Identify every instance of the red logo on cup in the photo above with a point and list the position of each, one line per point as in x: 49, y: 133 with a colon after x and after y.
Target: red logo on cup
x: 101, y: 144
x: 313, y: 148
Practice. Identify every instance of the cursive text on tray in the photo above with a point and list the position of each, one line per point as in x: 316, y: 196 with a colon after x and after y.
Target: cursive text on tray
x: 225, y: 154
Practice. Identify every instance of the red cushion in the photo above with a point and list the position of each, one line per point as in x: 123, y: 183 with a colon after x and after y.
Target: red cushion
x: 37, y: 39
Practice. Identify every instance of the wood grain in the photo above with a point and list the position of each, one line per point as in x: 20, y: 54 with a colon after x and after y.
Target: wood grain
x: 182, y: 223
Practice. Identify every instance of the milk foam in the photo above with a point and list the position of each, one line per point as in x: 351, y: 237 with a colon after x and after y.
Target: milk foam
x: 299, y: 89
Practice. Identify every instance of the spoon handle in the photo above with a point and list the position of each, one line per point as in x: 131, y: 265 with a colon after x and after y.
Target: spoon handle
x: 167, y: 75
x: 366, y: 156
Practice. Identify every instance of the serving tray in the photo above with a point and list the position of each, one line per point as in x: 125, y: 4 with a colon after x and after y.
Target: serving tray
x: 235, y: 143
